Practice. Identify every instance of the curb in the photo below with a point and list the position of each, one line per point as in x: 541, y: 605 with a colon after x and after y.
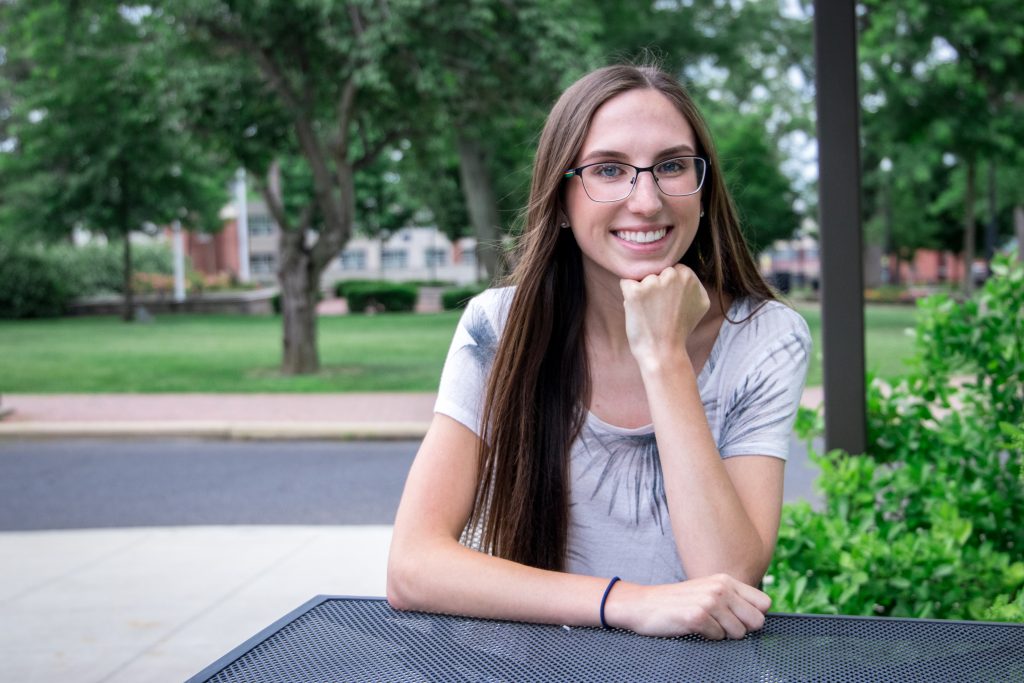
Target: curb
x: 235, y: 431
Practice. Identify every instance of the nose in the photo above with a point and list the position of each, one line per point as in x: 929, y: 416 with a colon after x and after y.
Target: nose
x: 645, y: 199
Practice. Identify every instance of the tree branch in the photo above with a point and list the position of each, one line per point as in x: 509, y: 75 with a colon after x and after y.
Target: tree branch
x: 238, y: 40
x: 369, y: 155
x: 345, y: 106
x: 271, y: 191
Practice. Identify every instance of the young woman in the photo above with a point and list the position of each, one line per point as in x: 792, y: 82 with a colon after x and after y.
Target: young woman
x: 624, y: 409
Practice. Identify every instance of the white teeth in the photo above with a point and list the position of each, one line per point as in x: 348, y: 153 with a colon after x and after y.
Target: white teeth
x: 641, y: 237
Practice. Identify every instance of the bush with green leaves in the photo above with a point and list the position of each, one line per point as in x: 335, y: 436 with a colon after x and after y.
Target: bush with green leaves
x: 31, y: 286
x: 381, y: 296
x: 928, y: 523
x: 341, y: 286
x: 99, y: 268
x: 458, y: 297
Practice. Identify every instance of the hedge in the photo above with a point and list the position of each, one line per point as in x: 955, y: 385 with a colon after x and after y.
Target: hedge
x: 99, y: 268
x: 341, y: 287
x: 387, y: 296
x: 927, y: 523
x: 458, y: 297
x: 31, y: 286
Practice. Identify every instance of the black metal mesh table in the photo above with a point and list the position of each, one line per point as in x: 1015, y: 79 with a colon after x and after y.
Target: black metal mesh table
x: 363, y: 639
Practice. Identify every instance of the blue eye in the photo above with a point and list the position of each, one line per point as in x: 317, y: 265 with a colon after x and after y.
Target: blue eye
x: 606, y: 171
x: 672, y: 167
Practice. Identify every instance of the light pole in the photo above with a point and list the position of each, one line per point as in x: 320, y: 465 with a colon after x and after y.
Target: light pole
x: 242, y: 225
x: 179, y: 263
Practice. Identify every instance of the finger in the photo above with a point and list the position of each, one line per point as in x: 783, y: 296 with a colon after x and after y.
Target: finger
x: 732, y: 627
x: 755, y: 597
x: 705, y: 625
x: 749, y: 616
x: 651, y: 279
x: 682, y: 269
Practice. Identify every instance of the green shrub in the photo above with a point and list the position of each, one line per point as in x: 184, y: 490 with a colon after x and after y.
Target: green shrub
x: 387, y: 296
x: 31, y: 286
x: 431, y: 283
x: 99, y: 268
x: 928, y: 522
x: 458, y: 297
x: 341, y: 286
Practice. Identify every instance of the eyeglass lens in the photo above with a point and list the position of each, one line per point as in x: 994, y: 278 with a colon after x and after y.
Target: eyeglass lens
x: 609, y: 182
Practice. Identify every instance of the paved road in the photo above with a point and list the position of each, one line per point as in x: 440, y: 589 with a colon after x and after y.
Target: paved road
x: 81, y: 484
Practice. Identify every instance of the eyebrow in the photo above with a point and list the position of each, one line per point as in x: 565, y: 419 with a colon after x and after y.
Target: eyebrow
x: 683, y: 149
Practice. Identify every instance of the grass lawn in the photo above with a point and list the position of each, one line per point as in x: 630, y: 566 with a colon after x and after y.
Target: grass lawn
x: 220, y: 353
x: 224, y: 353
x: 888, y: 343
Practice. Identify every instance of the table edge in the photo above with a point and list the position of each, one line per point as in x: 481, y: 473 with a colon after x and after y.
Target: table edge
x: 236, y: 652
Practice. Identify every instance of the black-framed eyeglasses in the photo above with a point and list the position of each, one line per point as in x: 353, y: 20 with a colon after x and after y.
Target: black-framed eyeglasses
x: 613, y: 181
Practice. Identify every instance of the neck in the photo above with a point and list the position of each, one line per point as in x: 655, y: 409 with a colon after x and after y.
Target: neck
x: 605, y: 317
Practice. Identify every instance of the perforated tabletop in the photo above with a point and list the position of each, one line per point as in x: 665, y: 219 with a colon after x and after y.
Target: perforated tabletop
x: 363, y: 639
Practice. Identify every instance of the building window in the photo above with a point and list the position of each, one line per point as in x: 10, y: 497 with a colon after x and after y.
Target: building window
x: 260, y: 225
x: 394, y: 259
x: 262, y: 263
x: 437, y: 257
x: 353, y: 259
x: 468, y: 257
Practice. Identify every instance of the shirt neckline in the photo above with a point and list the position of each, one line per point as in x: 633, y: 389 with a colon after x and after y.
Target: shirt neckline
x: 702, y: 376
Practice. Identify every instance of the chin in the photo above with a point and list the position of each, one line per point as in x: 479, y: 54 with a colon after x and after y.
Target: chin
x: 639, y: 272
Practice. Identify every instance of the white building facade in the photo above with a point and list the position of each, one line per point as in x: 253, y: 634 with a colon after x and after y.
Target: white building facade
x: 410, y: 254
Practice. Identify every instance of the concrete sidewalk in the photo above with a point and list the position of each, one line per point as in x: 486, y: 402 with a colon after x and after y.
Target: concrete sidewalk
x: 159, y: 604
x: 230, y: 416
x: 237, y: 416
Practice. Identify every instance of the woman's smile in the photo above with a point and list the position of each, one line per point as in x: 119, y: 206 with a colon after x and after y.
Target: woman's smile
x: 643, y: 239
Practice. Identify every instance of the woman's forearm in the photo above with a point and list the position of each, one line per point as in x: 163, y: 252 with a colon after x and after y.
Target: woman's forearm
x: 441, y: 575
x: 447, y: 577
x: 713, y: 530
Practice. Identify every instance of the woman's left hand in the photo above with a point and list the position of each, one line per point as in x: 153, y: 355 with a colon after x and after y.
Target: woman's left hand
x: 662, y: 310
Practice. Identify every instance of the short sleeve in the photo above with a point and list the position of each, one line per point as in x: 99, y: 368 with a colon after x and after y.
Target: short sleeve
x: 474, y: 345
x: 762, y: 402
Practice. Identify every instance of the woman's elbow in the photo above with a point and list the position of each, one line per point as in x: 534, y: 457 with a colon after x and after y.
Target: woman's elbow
x: 397, y: 588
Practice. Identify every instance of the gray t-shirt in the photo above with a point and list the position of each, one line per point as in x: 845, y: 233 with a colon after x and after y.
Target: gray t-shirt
x: 618, y: 515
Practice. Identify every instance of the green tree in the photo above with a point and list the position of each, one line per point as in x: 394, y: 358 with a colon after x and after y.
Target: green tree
x: 305, y: 96
x: 99, y: 142
x: 746, y: 63
x: 487, y: 72
x: 751, y: 165
x: 308, y: 96
x: 946, y: 77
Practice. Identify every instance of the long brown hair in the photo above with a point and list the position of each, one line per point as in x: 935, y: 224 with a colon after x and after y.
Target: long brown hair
x: 538, y: 390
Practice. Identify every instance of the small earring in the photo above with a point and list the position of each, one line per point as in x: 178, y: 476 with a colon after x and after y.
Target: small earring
x: 564, y: 225
x: 702, y: 213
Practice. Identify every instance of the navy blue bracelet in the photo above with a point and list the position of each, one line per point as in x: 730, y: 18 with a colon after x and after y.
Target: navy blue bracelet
x: 604, y: 599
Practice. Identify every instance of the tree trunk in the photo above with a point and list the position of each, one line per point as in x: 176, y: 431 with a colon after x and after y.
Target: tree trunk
x: 1018, y: 223
x: 299, y: 280
x: 128, y: 314
x: 992, y: 224
x: 481, y: 205
x: 967, y: 277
